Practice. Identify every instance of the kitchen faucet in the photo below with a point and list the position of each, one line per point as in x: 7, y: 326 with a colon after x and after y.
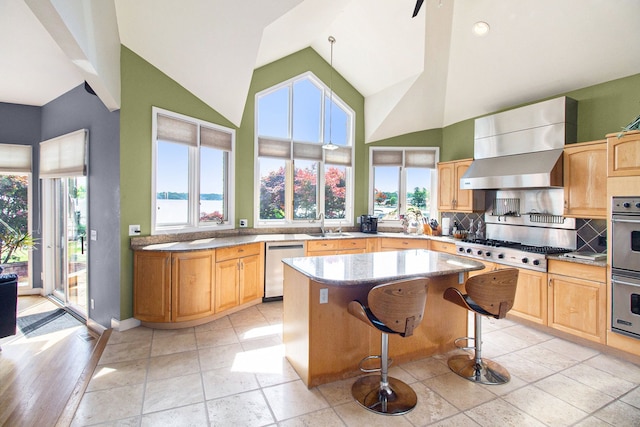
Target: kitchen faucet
x: 321, y: 219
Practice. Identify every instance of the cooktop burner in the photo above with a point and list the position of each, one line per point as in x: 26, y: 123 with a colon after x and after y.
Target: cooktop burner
x: 546, y: 250
x: 493, y: 243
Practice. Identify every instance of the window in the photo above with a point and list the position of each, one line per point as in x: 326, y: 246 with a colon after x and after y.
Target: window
x: 403, y: 182
x: 192, y: 170
x: 16, y: 240
x: 296, y: 180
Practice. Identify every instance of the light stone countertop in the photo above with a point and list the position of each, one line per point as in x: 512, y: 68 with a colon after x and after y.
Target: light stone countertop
x: 380, y: 267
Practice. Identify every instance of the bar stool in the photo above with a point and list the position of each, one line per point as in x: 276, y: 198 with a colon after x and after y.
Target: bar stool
x: 392, y: 308
x: 488, y: 294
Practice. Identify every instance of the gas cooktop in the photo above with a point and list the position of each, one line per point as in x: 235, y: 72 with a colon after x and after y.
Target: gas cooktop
x: 515, y: 254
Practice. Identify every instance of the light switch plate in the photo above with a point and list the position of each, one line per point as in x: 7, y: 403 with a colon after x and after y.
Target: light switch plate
x: 134, y: 230
x: 94, y: 235
x: 324, y: 296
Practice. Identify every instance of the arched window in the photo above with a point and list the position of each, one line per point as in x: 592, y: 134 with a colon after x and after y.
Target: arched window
x: 296, y: 179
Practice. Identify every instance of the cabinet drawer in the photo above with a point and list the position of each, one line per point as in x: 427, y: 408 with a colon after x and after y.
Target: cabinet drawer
x: 578, y: 270
x: 393, y: 243
x: 336, y: 244
x: 223, y: 254
x: 443, y: 247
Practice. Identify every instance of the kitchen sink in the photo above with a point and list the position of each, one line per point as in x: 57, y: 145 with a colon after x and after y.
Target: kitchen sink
x: 329, y: 235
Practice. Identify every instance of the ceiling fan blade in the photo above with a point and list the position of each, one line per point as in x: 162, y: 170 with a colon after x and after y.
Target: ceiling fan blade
x: 417, y: 8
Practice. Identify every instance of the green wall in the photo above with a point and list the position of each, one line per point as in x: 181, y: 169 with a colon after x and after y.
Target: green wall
x: 602, y: 109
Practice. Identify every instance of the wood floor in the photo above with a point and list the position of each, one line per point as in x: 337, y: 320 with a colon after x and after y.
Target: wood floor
x: 43, y: 377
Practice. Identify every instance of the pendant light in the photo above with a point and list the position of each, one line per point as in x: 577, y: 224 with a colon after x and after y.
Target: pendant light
x: 330, y: 145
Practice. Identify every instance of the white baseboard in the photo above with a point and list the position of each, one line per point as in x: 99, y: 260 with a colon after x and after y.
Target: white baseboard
x: 123, y: 325
x: 24, y: 290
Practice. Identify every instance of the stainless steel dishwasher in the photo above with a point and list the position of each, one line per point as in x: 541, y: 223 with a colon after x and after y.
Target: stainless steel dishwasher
x: 273, y: 268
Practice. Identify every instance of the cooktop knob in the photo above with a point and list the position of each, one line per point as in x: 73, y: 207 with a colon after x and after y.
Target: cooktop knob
x: 487, y: 254
x: 525, y: 260
x: 626, y: 205
x: 638, y: 205
x: 501, y: 256
x: 536, y: 262
x: 479, y: 252
x: 469, y: 251
x: 460, y: 249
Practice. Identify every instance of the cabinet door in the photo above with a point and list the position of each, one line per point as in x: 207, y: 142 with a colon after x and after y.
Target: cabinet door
x: 531, y: 296
x: 624, y: 154
x: 192, y: 285
x: 585, y: 180
x: 463, y: 198
x: 152, y: 286
x: 251, y: 285
x: 440, y: 246
x: 578, y: 307
x: 227, y: 292
x: 394, y: 244
x: 446, y: 190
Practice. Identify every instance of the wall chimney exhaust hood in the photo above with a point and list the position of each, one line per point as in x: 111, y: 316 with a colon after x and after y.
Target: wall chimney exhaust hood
x: 522, y: 148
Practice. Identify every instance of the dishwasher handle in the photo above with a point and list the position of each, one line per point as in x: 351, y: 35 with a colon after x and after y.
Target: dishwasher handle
x: 283, y: 247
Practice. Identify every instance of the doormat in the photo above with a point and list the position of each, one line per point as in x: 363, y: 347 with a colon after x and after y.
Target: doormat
x: 47, y: 322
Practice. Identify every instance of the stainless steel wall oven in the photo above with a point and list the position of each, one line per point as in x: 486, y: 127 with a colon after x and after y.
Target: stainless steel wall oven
x: 625, y: 265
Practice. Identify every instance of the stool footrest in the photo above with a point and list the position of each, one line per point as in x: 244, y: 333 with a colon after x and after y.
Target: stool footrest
x: 369, y: 370
x: 467, y: 339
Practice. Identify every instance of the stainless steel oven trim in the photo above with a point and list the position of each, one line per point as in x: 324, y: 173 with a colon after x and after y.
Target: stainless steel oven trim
x: 622, y: 319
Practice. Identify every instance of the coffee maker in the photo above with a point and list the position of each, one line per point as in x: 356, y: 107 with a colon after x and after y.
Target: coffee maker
x: 368, y: 224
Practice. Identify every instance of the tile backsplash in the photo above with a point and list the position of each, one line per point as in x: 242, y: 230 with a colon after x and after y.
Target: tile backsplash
x: 591, y: 233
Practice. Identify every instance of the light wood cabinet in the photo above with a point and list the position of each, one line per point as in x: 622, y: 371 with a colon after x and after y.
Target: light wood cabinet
x: 441, y: 246
x: 192, y: 285
x: 152, y: 286
x: 577, y: 299
x: 585, y: 180
x: 336, y: 247
x: 624, y: 154
x: 531, y: 296
x: 173, y: 287
x: 395, y: 244
x: 450, y: 197
x: 239, y: 276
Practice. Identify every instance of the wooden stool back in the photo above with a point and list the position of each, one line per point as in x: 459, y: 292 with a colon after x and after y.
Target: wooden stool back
x: 399, y: 305
x: 494, y: 291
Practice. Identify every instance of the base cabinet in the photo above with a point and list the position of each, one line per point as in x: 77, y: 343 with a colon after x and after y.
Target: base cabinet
x: 395, y: 244
x: 577, y: 300
x: 531, y: 296
x: 239, y: 276
x: 174, y: 287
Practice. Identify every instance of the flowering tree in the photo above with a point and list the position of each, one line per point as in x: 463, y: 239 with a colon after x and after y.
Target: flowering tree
x: 272, y: 195
x: 335, y: 192
x: 14, y: 221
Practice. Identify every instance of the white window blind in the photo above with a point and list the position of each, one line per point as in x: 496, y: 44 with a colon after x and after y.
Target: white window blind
x: 342, y: 156
x: 175, y: 130
x: 307, y: 151
x: 420, y: 159
x: 274, y: 148
x: 64, y: 156
x: 15, y: 158
x: 386, y: 158
x: 214, y: 138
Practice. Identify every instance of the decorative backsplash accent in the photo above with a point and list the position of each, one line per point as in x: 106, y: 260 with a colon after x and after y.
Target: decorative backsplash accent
x: 592, y: 233
x: 464, y: 220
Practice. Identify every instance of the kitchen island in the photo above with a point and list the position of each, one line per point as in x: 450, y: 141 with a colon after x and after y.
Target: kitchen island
x: 324, y: 343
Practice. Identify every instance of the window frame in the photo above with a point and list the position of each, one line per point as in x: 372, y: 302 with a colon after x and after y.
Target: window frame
x: 402, y: 182
x: 289, y: 221
x: 193, y: 222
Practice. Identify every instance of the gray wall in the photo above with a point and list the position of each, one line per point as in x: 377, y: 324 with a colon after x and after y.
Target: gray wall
x: 21, y: 124
x: 77, y: 109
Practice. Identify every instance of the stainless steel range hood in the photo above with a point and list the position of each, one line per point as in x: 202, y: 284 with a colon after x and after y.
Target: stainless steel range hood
x: 522, y: 148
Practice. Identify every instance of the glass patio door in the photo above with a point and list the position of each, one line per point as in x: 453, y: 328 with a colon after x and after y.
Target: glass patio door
x: 69, y: 246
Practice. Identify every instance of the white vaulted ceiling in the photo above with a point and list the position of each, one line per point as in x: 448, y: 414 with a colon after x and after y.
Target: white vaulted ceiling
x: 415, y: 73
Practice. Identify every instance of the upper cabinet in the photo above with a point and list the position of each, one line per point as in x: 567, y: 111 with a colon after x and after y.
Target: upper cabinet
x: 450, y: 197
x: 585, y: 180
x: 624, y: 154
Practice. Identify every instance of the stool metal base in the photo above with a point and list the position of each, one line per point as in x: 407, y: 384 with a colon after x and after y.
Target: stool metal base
x: 396, y: 398
x: 485, y: 372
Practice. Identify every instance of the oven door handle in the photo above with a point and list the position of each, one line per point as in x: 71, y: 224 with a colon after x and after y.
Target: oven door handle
x: 622, y: 282
x: 629, y: 221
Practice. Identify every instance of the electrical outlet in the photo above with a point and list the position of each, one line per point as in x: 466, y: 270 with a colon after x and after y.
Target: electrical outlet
x: 243, y: 222
x: 134, y: 230
x: 324, y: 296
x: 93, y: 304
x: 94, y: 235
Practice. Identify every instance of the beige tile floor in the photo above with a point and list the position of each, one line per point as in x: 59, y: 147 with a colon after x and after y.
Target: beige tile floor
x: 233, y: 372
